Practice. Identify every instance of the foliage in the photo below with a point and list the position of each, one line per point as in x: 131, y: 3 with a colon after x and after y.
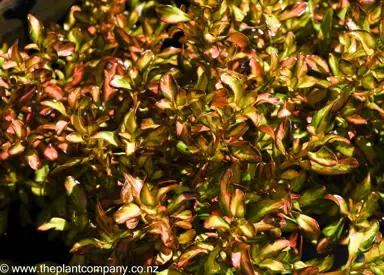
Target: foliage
x: 263, y: 130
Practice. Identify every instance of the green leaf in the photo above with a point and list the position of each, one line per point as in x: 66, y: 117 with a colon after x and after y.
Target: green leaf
x: 75, y: 138
x: 238, y: 204
x: 189, y: 150
x: 58, y: 224
x: 326, y: 24
x: 343, y: 166
x: 264, y: 208
x: 334, y: 230
x: 310, y: 196
x: 187, y: 236
x: 157, y: 137
x: 172, y: 15
x: 366, y: 39
x: 322, y: 119
x: 273, y: 23
x: 361, y: 241
x: 126, y: 212
x: 244, y: 151
x: 306, y: 82
x: 36, y: 29
x: 235, y: 84
x: 120, y: 82
x: 273, y: 265
x: 211, y: 266
x: 216, y: 222
x: 377, y: 270
x: 274, y: 248
x: 56, y: 105
x: 109, y: 137
x: 307, y: 223
x: 324, y: 156
x: 146, y: 196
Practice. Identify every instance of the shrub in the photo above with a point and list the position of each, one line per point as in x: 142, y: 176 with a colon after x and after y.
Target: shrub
x: 211, y: 138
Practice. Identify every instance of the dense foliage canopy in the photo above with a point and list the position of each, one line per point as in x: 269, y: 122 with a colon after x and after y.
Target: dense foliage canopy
x: 213, y: 137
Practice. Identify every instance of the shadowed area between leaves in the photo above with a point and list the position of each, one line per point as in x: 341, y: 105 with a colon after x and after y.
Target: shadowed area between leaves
x: 26, y: 246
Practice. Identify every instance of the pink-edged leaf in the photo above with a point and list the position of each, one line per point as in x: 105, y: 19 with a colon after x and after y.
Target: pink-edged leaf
x: 172, y: 15
x: 36, y: 29
x: 169, y: 87
x: 127, y: 212
x: 58, y: 224
x: 293, y: 11
x: 216, y: 222
x: 343, y: 166
x: 307, y: 223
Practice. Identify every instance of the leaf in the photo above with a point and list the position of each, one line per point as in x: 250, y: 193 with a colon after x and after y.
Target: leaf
x: 343, y: 166
x: 322, y: 119
x: 14, y: 53
x: 306, y: 82
x: 244, y: 151
x: 172, y: 15
x: 187, y: 236
x: 76, y: 193
x: 64, y: 48
x: 36, y: 29
x: 324, y: 156
x: 326, y: 24
x: 33, y: 159
x: 307, y: 223
x: 86, y: 245
x: 274, y: 248
x: 310, y: 196
x: 239, y: 39
x: 109, y: 137
x: 238, y: 204
x: 75, y: 138
x: 225, y: 197
x: 361, y: 241
x: 71, y: 162
x: 317, y: 64
x: 293, y: 11
x: 58, y: 224
x: 146, y: 196
x: 264, y: 208
x: 289, y: 174
x: 56, y: 105
x: 366, y: 39
x: 340, y: 202
x: 273, y: 265
x: 120, y: 82
x: 135, y: 184
x: 216, y: 222
x: 181, y: 198
x: 377, y: 270
x: 157, y: 137
x: 189, y: 150
x: 273, y: 23
x: 334, y: 230
x: 190, y: 254
x: 126, y: 212
x: 169, y: 87
x: 235, y: 85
